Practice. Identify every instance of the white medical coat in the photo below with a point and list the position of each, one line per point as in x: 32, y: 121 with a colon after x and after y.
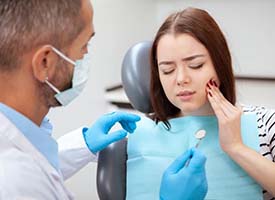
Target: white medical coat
x: 25, y: 174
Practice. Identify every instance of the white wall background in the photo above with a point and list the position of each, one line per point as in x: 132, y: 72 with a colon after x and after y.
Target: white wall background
x: 119, y: 24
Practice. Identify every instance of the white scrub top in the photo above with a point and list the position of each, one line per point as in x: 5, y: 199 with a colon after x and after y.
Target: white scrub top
x: 26, y: 174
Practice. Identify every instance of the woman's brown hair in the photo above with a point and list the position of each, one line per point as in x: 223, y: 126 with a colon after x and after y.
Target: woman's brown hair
x: 200, y: 25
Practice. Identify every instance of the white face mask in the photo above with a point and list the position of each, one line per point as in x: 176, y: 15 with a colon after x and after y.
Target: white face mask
x: 80, y: 78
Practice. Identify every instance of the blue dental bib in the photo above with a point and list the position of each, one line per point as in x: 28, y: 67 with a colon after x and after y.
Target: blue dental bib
x: 153, y: 148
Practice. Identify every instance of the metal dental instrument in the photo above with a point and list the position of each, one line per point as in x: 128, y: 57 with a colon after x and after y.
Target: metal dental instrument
x: 199, y: 135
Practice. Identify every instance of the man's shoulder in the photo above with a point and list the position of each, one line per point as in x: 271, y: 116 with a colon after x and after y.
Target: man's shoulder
x: 20, y: 174
x: 13, y: 160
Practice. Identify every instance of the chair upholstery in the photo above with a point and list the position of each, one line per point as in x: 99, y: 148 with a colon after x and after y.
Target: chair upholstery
x: 135, y: 75
x: 111, y: 170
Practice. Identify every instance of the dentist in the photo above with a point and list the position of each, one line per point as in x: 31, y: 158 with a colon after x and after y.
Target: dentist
x: 43, y: 51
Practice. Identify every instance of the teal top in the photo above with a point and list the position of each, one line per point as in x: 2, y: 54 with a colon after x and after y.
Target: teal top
x: 153, y: 148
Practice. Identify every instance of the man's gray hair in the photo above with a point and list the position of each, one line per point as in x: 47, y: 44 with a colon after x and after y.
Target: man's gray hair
x: 27, y: 24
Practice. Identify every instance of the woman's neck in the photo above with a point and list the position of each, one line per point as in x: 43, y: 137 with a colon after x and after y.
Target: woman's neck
x: 204, y: 110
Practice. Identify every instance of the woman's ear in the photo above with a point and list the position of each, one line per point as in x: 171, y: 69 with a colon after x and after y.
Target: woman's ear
x: 44, y: 62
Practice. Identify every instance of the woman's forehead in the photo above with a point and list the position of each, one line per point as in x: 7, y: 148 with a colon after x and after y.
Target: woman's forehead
x: 182, y: 45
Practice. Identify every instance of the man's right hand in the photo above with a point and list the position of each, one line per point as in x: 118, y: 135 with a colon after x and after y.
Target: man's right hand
x: 97, y: 137
x: 180, y: 182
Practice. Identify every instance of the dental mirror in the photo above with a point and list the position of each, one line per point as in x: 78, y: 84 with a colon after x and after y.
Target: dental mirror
x: 199, y: 135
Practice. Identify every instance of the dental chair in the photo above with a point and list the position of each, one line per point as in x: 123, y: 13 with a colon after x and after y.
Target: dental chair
x: 111, y: 169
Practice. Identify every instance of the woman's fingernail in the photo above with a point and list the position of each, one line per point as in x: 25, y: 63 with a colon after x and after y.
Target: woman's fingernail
x: 211, y: 82
x: 208, y: 86
x: 210, y: 94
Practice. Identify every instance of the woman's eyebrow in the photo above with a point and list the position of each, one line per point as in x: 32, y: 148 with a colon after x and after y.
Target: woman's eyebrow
x: 193, y: 57
x: 165, y: 63
x: 184, y: 59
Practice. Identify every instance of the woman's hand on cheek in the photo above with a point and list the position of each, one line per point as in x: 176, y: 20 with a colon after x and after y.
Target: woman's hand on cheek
x: 229, y: 119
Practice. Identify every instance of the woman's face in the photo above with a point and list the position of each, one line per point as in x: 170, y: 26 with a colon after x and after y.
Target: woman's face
x: 185, y: 67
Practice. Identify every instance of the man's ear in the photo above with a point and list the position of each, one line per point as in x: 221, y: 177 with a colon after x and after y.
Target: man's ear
x: 44, y: 62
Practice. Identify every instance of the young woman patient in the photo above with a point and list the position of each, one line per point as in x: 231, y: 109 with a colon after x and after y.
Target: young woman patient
x: 193, y: 89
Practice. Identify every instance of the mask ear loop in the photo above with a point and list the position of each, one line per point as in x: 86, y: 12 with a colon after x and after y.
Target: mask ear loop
x: 63, y: 56
x: 51, y: 85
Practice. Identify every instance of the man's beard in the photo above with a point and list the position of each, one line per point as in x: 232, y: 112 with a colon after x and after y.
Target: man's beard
x: 62, y: 80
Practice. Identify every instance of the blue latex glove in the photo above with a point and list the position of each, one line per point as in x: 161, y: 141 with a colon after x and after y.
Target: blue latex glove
x: 185, y: 183
x: 97, y: 136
